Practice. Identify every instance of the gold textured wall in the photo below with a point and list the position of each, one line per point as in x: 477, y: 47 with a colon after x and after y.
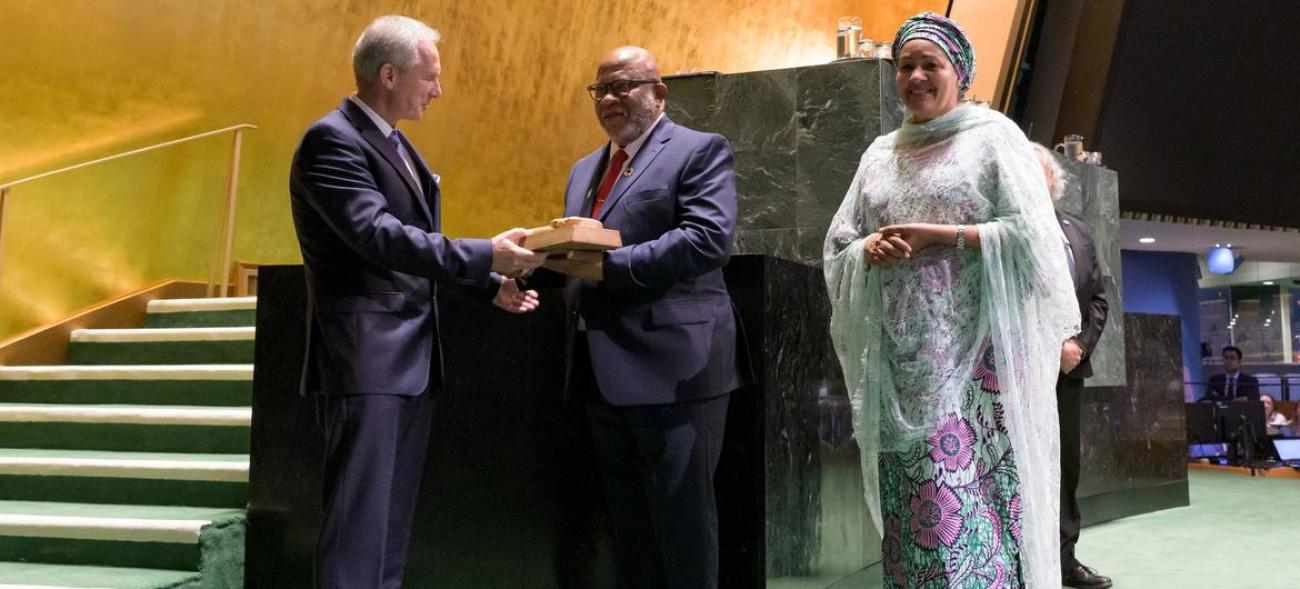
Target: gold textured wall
x: 87, y: 78
x: 994, y: 28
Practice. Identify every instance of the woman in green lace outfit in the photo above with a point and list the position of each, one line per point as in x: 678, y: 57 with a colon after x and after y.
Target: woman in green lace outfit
x: 951, y: 299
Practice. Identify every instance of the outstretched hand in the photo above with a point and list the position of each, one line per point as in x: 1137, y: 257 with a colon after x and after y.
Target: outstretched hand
x: 510, y: 298
x: 509, y: 258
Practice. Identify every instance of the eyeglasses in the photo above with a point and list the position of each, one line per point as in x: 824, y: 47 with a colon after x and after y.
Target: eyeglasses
x: 620, y: 88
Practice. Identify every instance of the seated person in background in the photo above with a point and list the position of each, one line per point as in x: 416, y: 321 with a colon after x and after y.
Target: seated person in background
x: 1273, y: 419
x: 1233, y: 383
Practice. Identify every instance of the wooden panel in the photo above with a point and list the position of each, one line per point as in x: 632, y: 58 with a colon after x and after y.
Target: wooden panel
x: 243, y: 278
x: 49, y: 344
x: 1275, y: 473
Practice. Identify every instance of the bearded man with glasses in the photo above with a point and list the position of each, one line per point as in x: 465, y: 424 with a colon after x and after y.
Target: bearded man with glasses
x: 652, y: 348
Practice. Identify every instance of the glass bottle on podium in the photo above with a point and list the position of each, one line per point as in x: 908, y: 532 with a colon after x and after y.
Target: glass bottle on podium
x: 847, y: 36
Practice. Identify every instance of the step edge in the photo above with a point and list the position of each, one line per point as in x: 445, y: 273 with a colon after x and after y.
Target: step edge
x: 165, y: 306
x: 164, y: 335
x: 125, y: 415
x: 169, y: 531
x: 205, y: 471
x: 163, y: 372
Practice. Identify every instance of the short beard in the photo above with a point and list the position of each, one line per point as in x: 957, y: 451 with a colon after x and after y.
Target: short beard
x: 636, y: 125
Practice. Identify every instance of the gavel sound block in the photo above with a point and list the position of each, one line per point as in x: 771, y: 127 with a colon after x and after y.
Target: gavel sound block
x: 575, y: 245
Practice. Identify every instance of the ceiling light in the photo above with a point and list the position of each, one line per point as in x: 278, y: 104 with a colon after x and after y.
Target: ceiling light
x: 1146, y: 240
x: 1268, y: 283
x: 1221, y: 260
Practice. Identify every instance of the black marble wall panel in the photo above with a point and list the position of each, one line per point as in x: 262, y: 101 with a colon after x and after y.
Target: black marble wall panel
x: 284, y: 499
x: 843, y: 107
x: 798, y: 135
x: 509, y: 498
x: 816, y: 528
x: 1134, y: 446
x: 1092, y: 194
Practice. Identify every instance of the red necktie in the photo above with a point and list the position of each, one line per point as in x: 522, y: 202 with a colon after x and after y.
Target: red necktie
x: 607, y: 184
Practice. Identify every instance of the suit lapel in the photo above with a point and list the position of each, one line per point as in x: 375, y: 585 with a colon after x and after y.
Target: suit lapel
x: 427, y: 178
x: 381, y: 144
x: 654, y: 144
x: 592, y: 168
x: 1078, y: 248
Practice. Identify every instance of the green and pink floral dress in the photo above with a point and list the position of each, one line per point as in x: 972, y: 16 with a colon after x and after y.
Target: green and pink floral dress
x: 952, y: 505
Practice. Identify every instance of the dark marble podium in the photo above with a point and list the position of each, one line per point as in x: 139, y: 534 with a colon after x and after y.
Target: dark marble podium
x: 510, y: 497
x: 1134, y: 442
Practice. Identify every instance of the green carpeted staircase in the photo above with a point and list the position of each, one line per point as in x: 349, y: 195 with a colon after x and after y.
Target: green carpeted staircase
x: 128, y: 467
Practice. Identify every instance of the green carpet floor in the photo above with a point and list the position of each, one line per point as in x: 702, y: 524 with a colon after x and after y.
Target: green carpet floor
x: 1238, y: 533
x: 23, y: 574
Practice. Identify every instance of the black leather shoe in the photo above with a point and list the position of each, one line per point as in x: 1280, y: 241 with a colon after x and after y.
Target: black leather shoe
x: 1082, y: 577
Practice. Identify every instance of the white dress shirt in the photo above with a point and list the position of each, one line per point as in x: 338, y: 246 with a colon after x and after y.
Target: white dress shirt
x: 385, y: 129
x: 635, y: 145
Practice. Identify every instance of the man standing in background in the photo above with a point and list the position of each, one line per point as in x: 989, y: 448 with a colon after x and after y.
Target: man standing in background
x: 1076, y: 365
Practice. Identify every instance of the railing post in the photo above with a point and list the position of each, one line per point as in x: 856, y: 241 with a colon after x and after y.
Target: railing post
x: 226, y: 227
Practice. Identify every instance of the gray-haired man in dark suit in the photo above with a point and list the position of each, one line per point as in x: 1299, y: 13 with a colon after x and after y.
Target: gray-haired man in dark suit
x: 1076, y: 365
x: 366, y: 210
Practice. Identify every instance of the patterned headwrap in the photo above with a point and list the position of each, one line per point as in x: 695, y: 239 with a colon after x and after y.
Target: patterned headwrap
x: 948, y: 35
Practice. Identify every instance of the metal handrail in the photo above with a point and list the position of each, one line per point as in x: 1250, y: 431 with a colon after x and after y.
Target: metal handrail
x: 225, y: 226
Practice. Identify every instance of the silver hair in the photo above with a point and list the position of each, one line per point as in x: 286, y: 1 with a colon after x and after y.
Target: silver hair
x: 389, y: 39
x: 1060, y: 177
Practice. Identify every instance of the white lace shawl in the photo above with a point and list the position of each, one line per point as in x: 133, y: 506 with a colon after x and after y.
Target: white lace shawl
x: 907, y: 336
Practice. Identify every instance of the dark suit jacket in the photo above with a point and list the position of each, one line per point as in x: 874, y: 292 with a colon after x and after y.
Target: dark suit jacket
x: 373, y: 257
x: 660, y: 327
x: 1247, y: 386
x: 1088, y: 288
